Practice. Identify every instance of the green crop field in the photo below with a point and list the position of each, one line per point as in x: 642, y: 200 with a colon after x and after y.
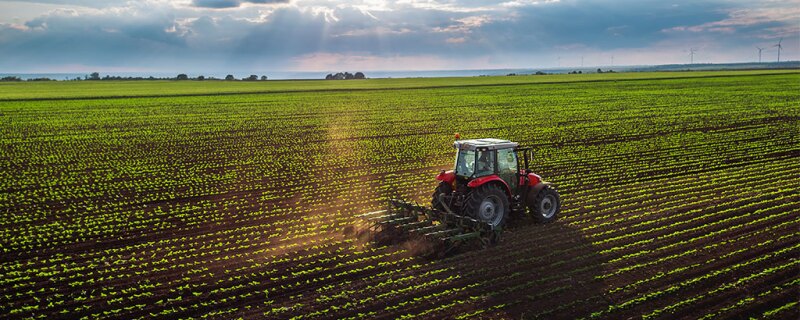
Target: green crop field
x: 239, y: 199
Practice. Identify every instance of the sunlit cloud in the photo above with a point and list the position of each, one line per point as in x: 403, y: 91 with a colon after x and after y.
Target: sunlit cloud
x: 343, y: 62
x: 449, y: 6
x: 456, y: 40
x: 384, y: 34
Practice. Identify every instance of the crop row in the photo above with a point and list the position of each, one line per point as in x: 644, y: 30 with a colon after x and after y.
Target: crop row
x: 228, y: 206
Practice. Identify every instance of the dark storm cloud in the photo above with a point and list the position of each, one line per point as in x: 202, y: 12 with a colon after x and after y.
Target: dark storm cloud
x: 68, y: 38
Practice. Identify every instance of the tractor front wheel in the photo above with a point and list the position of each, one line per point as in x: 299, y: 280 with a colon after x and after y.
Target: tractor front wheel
x: 488, y: 203
x: 546, y: 205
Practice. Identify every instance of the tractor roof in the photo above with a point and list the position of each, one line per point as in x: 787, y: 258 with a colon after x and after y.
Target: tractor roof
x: 484, y: 144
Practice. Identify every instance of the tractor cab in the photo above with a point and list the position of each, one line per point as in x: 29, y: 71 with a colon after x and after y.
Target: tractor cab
x: 486, y: 157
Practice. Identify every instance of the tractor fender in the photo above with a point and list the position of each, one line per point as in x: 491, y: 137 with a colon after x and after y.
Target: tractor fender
x: 446, y: 176
x: 529, y: 179
x: 489, y: 179
x: 534, y: 191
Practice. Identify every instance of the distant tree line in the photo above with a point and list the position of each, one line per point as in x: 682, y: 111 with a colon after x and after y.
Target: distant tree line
x: 182, y: 76
x: 15, y: 79
x: 95, y: 76
x: 345, y: 76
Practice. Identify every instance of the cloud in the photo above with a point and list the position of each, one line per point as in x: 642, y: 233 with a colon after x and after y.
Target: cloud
x: 216, y: 4
x: 738, y: 19
x: 597, y: 24
x: 336, y: 62
x: 224, y: 4
x: 449, y: 6
x: 81, y: 3
x: 103, y: 37
x: 456, y: 40
x: 283, y: 35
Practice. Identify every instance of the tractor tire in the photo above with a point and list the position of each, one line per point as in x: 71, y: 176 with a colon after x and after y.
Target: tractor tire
x: 546, y: 206
x: 488, y: 203
x: 445, y: 188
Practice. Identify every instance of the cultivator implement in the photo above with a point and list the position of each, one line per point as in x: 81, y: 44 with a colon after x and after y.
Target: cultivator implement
x: 404, y: 220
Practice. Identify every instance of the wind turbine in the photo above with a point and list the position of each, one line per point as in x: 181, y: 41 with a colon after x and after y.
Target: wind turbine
x: 759, y: 54
x: 691, y: 55
x: 779, y: 49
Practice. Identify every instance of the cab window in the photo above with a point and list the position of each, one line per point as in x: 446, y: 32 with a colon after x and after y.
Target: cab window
x: 485, y: 163
x: 507, y: 167
x: 506, y: 161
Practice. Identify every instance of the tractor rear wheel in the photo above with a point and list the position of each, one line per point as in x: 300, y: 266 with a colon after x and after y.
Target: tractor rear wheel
x: 546, y: 205
x: 488, y: 203
x: 445, y: 188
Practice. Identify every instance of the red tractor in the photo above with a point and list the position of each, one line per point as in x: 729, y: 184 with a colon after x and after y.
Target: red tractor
x: 490, y: 182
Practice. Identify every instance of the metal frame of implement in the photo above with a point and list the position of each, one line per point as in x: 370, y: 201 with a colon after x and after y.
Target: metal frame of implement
x: 446, y: 227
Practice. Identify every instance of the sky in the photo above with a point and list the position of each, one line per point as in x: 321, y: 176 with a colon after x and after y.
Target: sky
x: 196, y: 36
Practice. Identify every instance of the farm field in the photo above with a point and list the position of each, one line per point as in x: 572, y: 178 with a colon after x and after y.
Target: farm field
x: 225, y: 200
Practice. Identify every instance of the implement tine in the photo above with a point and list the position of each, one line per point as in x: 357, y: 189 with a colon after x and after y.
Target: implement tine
x: 385, y: 217
x: 397, y: 203
x: 398, y: 221
x: 426, y: 229
x: 415, y: 224
x: 443, y: 232
x: 368, y: 214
